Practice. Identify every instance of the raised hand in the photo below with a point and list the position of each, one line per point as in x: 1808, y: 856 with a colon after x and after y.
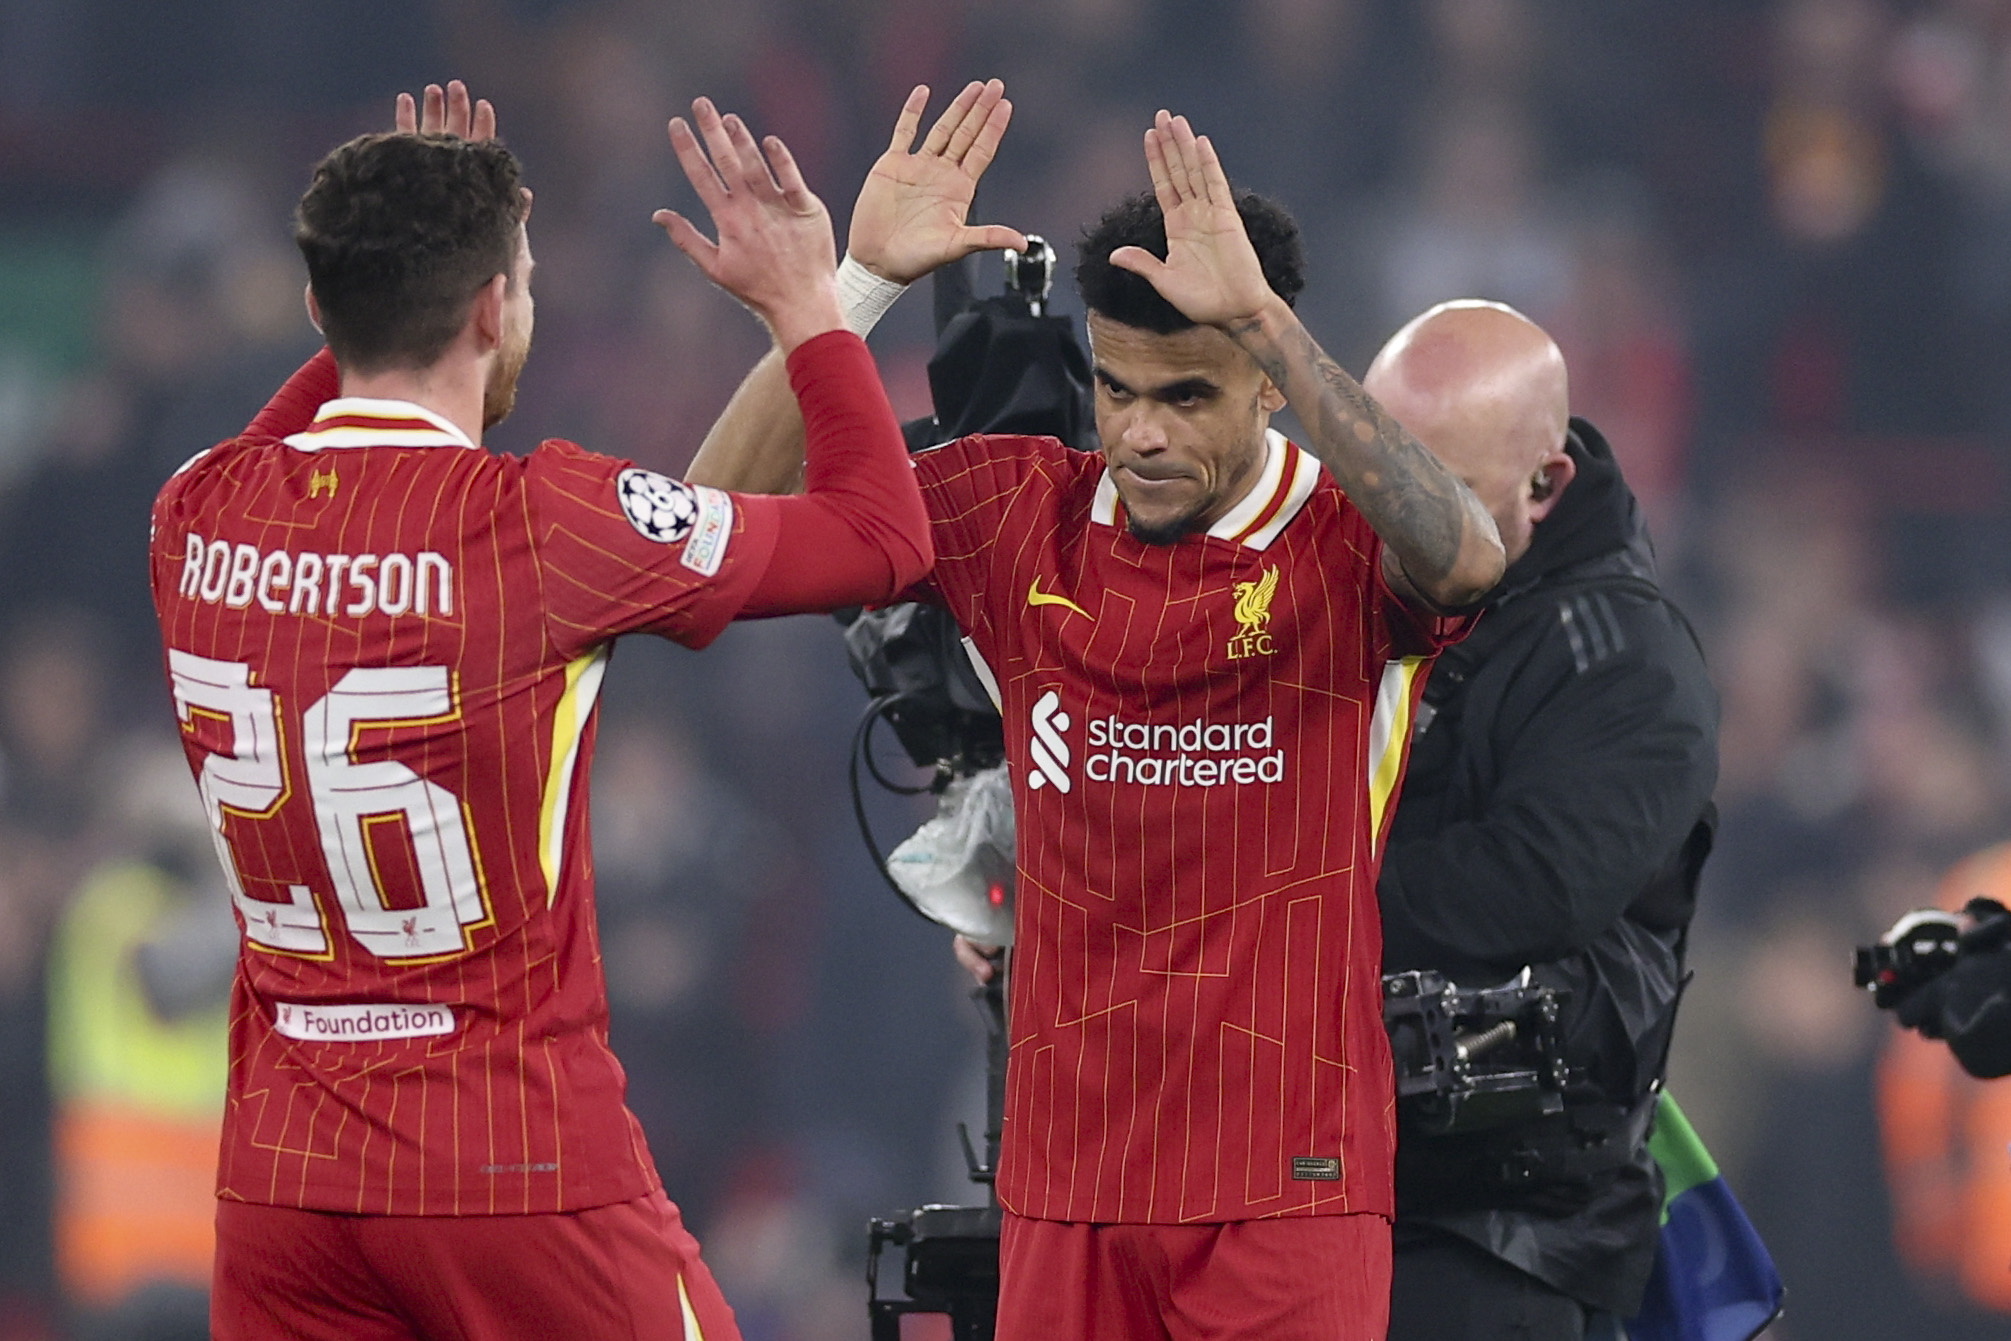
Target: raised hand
x: 1211, y: 272
x: 910, y: 215
x: 447, y: 111
x: 775, y: 251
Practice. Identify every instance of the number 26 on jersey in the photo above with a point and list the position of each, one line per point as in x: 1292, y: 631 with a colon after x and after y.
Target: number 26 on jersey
x: 363, y: 811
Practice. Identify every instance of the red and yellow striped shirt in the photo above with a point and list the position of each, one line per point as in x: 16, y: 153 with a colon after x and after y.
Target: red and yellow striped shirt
x: 1205, y: 740
x: 385, y: 645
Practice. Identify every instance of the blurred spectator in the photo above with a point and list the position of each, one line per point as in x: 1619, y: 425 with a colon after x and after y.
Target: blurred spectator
x: 1478, y: 222
x: 1949, y: 70
x: 1312, y: 73
x: 1831, y: 318
x: 681, y: 867
x: 54, y: 700
x: 1487, y: 47
x: 139, y: 993
x: 789, y: 1277
x: 202, y: 316
x: 1809, y: 1180
x: 1944, y: 1135
x: 1628, y: 349
x: 74, y: 527
x: 203, y: 309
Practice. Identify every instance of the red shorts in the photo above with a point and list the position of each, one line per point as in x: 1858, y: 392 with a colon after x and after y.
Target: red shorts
x: 629, y: 1270
x: 1306, y: 1277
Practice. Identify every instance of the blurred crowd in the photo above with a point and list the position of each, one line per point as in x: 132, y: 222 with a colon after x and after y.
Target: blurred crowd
x: 1773, y: 237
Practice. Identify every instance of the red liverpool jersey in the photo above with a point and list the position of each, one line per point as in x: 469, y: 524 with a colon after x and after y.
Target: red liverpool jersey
x: 384, y: 645
x: 1205, y: 740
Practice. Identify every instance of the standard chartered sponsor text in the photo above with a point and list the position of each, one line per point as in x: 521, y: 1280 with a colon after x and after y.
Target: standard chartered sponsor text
x: 1190, y: 754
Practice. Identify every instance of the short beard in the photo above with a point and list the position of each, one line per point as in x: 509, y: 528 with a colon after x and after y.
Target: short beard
x: 499, y: 397
x: 1165, y: 533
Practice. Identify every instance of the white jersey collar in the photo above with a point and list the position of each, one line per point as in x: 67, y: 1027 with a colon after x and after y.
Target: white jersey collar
x: 358, y: 421
x: 1284, y: 482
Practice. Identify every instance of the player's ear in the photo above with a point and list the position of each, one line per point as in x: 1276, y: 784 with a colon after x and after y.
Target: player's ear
x: 1270, y: 397
x: 485, y: 316
x: 1546, y: 486
x: 313, y: 308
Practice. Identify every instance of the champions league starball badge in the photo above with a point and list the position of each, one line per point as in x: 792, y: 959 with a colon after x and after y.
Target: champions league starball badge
x: 660, y: 508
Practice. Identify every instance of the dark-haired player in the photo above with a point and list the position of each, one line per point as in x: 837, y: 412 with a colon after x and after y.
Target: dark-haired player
x: 1207, y: 643
x: 384, y: 645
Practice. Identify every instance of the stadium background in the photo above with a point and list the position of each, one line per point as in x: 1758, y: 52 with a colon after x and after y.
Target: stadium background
x: 1773, y: 236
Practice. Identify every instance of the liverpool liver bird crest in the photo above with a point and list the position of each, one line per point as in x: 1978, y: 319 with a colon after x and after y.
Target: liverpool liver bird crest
x: 1253, y: 612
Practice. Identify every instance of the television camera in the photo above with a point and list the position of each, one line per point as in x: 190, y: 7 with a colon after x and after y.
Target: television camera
x: 1003, y: 364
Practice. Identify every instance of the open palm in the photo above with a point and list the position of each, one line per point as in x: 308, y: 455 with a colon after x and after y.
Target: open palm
x: 774, y: 251
x: 910, y: 215
x: 1211, y: 272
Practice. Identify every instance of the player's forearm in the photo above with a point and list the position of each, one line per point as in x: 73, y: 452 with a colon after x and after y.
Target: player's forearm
x: 756, y: 445
x: 1441, y: 535
x: 855, y: 459
x: 293, y: 407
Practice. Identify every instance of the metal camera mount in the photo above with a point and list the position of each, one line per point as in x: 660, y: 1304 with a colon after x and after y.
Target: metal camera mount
x: 1468, y: 1059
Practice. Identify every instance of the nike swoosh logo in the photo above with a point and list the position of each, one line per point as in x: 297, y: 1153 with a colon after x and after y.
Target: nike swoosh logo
x: 1035, y: 596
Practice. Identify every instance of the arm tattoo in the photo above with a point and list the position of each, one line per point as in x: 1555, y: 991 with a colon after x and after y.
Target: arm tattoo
x: 1416, y: 505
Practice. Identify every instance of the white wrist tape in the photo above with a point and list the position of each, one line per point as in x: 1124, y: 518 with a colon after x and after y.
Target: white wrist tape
x: 864, y: 296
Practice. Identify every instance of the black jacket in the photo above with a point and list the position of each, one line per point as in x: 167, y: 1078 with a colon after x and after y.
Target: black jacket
x: 1556, y: 812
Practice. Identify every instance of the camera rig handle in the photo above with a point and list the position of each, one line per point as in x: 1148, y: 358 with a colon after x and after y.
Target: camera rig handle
x: 991, y: 1002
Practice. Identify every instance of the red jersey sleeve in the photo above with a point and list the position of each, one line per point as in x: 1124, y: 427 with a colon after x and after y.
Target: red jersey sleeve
x: 859, y: 533
x: 1416, y: 632
x: 968, y: 486
x: 622, y: 549
x: 293, y: 407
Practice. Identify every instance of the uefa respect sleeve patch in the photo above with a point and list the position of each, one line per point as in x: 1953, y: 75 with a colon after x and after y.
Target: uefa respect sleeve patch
x: 706, y: 549
x: 658, y: 507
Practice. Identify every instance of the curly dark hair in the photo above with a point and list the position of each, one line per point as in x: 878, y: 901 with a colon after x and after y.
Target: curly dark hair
x: 399, y: 232
x: 1137, y: 221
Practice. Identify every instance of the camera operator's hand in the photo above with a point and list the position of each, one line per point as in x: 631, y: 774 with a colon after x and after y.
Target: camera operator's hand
x: 1920, y: 1009
x: 1948, y: 975
x: 1970, y: 1007
x: 981, y: 961
x: 910, y: 214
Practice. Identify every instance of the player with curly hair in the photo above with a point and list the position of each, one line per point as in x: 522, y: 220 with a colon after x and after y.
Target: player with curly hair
x: 1207, y: 642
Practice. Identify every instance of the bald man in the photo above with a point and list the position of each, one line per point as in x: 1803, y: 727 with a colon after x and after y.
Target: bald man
x: 1556, y: 814
x: 1485, y: 388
